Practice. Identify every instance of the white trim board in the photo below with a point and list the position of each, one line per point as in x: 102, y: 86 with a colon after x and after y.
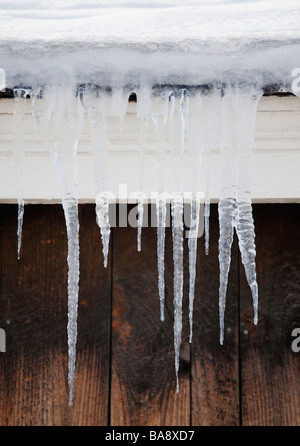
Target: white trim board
x: 276, y: 159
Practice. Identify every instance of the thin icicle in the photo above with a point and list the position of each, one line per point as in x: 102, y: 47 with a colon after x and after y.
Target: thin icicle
x: 245, y: 112
x: 70, y: 206
x: 192, y: 244
x: 184, y: 122
x: 20, y: 94
x: 58, y: 121
x: 227, y: 214
x: 140, y: 218
x: 228, y: 203
x: 161, y: 206
x: 246, y: 237
x: 207, y: 201
x: 212, y: 126
x: 177, y: 236
x: 161, y: 212
x: 102, y: 212
x: 96, y: 102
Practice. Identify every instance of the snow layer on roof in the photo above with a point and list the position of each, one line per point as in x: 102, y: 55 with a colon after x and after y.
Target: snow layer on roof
x: 199, y: 39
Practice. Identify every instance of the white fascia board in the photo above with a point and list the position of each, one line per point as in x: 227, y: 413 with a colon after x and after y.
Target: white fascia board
x: 275, y: 171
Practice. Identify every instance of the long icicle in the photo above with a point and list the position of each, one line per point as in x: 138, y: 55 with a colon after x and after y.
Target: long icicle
x: 245, y: 112
x: 161, y: 210
x: 58, y: 121
x: 161, y: 205
x: 96, y: 102
x: 195, y: 135
x: 141, y: 195
x: 228, y: 204
x: 177, y: 236
x: 192, y: 245
x: 20, y: 95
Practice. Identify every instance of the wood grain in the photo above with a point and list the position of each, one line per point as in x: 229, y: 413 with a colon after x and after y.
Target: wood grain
x: 270, y: 370
x: 125, y: 359
x: 215, y: 373
x: 143, y: 389
x: 33, y: 371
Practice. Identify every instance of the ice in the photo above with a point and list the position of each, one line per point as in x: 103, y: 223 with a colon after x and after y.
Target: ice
x: 207, y: 201
x: 177, y: 236
x: 192, y: 244
x: 161, y: 211
x: 158, y: 117
x: 238, y: 112
x: 142, y: 144
x: 140, y: 220
x: 58, y: 117
x: 196, y: 121
x: 227, y: 214
x: 246, y: 104
x: 20, y: 95
x: 97, y: 102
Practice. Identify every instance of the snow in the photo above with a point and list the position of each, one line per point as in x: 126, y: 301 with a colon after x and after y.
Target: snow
x: 198, y: 41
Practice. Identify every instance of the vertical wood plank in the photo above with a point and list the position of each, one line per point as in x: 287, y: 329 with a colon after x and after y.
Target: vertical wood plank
x: 270, y: 370
x: 143, y: 388
x: 215, y: 368
x: 33, y: 311
x: 91, y: 398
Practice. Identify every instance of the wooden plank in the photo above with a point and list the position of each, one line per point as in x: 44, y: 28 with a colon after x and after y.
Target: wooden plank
x: 270, y: 370
x: 33, y: 371
x: 143, y: 389
x: 215, y: 368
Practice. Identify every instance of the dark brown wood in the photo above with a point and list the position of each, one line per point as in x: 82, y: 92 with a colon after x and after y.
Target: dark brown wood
x: 125, y: 360
x: 33, y: 371
x: 215, y: 373
x: 270, y: 370
x: 143, y: 389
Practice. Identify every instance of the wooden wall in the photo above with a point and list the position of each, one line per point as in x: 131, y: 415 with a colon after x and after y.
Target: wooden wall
x: 125, y: 362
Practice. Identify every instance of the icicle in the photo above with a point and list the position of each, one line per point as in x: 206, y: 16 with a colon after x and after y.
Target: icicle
x: 96, y: 101
x: 20, y: 95
x: 177, y: 235
x: 192, y: 244
x: 142, y: 143
x: 238, y: 114
x: 212, y: 124
x: 161, y: 212
x: 245, y: 111
x: 140, y: 219
x: 246, y: 237
x: 207, y: 201
x: 193, y: 122
x: 158, y: 119
x: 102, y: 212
x: 58, y: 121
x: 183, y: 117
x: 228, y: 203
x: 227, y: 214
